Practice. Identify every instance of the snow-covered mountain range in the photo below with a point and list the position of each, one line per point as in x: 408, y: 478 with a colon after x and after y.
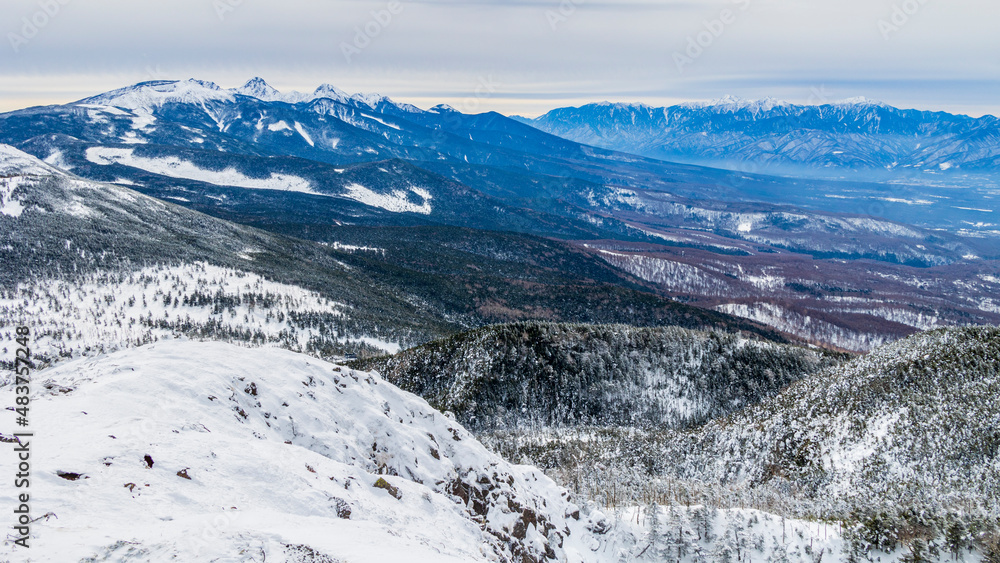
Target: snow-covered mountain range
x: 857, y: 136
x: 107, y: 267
x: 194, y: 264
x: 326, y: 166
x: 146, y: 96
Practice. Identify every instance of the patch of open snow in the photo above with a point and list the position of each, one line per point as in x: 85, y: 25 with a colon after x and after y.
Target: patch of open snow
x: 383, y: 122
x: 143, y: 119
x: 907, y: 201
x: 58, y: 159
x: 8, y: 205
x: 176, y: 168
x: 104, y: 108
x: 279, y: 126
x: 131, y: 138
x: 397, y: 201
x: 302, y: 131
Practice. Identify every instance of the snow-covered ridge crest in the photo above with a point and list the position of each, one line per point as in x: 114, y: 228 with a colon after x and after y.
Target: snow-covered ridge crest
x: 16, y: 169
x: 156, y: 93
x: 731, y: 103
x: 623, y: 105
x: 861, y: 101
x: 14, y: 162
x: 274, y: 453
x: 153, y: 94
x: 258, y: 88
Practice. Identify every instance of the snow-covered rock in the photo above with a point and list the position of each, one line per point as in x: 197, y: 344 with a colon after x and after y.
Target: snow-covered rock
x: 192, y: 451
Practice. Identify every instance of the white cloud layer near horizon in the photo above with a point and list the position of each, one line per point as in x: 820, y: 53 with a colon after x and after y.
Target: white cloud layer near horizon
x: 514, y: 56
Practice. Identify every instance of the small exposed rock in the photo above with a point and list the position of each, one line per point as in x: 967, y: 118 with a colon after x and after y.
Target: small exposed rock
x: 343, y: 509
x: 383, y: 484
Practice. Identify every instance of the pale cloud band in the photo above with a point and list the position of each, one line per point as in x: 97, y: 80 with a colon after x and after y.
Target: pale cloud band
x: 931, y: 54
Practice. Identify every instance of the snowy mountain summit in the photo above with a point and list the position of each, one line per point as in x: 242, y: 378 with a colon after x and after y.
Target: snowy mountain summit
x: 153, y: 94
x: 732, y: 104
x: 189, y: 451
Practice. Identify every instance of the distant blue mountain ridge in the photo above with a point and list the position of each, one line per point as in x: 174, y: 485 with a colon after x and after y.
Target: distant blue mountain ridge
x: 773, y: 136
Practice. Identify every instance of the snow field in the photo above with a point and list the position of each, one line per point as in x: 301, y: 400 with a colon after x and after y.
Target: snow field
x: 174, y: 167
x: 254, y: 452
x: 397, y: 202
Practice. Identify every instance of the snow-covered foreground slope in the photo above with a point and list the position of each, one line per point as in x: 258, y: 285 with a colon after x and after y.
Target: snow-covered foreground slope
x: 189, y: 451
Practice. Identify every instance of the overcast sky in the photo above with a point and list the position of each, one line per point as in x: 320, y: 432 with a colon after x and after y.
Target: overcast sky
x: 515, y: 56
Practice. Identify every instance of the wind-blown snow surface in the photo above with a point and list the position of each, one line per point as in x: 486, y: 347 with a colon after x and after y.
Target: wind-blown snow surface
x: 186, y: 451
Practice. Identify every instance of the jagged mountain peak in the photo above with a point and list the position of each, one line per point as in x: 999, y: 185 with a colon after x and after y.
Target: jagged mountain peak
x: 443, y: 108
x: 371, y: 100
x: 258, y: 88
x: 621, y: 105
x: 331, y: 92
x: 825, y: 140
x: 730, y: 103
x: 150, y: 95
x: 861, y: 101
